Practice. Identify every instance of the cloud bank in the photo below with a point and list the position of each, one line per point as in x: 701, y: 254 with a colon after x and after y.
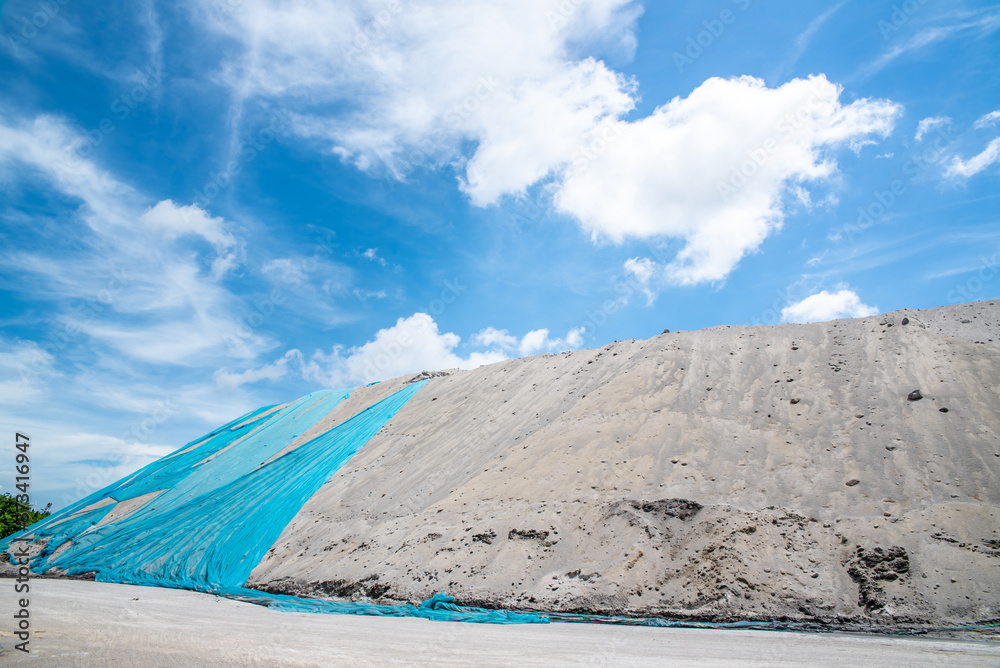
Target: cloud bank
x: 416, y: 344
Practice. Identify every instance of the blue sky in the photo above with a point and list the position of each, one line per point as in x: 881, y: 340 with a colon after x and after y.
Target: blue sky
x: 208, y: 206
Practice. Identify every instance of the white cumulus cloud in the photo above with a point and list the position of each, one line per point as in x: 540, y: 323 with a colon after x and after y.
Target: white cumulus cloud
x: 825, y: 306
x: 412, y: 345
x: 712, y: 169
x: 535, y: 341
x: 538, y: 341
x: 493, y: 337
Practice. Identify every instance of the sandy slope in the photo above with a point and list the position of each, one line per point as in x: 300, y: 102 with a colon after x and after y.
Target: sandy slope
x: 727, y: 473
x: 95, y: 624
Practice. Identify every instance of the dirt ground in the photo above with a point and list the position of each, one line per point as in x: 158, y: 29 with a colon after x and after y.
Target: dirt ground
x: 92, y: 624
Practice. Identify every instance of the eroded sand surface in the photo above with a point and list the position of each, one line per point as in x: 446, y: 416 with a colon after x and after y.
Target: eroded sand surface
x: 94, y: 624
x: 729, y: 473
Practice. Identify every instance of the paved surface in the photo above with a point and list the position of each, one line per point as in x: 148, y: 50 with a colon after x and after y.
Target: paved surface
x: 94, y: 624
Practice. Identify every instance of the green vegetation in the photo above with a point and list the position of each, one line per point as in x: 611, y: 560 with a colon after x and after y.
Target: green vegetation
x: 15, y: 515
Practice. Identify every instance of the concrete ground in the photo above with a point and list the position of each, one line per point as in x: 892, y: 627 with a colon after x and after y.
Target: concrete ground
x: 79, y: 623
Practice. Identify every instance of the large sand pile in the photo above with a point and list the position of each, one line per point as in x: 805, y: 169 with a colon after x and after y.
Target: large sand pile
x: 728, y: 473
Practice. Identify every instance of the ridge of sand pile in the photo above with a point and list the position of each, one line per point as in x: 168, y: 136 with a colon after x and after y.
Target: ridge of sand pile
x: 728, y: 473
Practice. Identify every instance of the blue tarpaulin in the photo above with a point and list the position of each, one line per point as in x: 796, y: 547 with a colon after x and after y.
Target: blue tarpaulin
x: 213, y: 507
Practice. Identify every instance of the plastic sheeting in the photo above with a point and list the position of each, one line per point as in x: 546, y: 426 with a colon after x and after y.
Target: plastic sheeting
x: 197, y: 469
x: 76, y: 518
x: 439, y: 608
x: 215, y: 506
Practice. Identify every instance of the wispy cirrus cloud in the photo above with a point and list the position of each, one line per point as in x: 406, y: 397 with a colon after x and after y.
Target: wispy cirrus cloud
x: 987, y: 120
x: 961, y: 25
x: 802, y: 42
x: 965, y: 169
x: 150, y: 275
x: 927, y: 124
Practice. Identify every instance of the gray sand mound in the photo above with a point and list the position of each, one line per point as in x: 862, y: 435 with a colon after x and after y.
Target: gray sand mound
x: 785, y: 472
